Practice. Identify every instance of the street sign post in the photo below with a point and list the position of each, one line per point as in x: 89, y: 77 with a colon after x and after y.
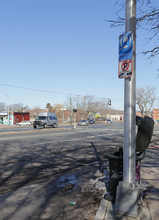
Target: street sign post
x: 128, y: 191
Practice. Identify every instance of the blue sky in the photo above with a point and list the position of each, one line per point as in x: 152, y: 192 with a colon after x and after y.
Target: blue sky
x: 67, y: 47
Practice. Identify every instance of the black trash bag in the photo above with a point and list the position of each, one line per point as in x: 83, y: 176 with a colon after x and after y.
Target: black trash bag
x: 144, y: 134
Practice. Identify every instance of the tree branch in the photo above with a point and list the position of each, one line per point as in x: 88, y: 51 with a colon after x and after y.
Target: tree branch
x: 153, y: 52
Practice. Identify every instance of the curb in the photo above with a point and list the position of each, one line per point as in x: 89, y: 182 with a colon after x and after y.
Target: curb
x: 105, y: 212
x: 103, y: 207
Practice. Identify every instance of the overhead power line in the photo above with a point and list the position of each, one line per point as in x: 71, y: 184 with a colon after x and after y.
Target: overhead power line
x: 49, y: 91
x: 38, y: 90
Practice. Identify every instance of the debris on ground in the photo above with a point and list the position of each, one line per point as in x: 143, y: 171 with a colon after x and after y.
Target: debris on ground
x: 95, y: 187
x: 72, y: 203
x: 69, y: 186
x: 98, y: 173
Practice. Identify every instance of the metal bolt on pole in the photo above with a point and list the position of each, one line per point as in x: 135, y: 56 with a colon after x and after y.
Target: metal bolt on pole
x: 128, y: 191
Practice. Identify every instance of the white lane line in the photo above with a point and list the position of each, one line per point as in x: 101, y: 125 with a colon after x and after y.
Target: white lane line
x: 112, y: 129
x: 90, y: 137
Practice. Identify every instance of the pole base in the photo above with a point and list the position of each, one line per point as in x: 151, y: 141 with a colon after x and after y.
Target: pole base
x: 127, y: 198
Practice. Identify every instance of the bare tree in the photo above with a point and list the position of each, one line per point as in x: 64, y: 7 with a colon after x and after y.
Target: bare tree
x: 35, y: 111
x: 18, y: 107
x: 69, y: 106
x: 147, y: 20
x: 3, y: 106
x: 87, y: 105
x: 57, y: 108
x: 145, y: 98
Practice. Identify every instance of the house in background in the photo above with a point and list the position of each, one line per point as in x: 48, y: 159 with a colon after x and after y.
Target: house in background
x: 14, y: 117
x: 115, y: 115
x: 21, y: 116
x: 155, y: 114
x: 4, y: 119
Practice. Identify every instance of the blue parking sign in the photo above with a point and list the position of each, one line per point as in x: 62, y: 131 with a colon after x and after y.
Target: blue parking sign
x: 126, y: 46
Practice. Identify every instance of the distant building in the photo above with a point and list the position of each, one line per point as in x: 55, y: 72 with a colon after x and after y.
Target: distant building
x: 4, y: 119
x: 155, y: 114
x: 21, y: 116
x: 13, y: 117
x: 115, y: 115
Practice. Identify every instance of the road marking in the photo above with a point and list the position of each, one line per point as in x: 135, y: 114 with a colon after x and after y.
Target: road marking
x: 34, y: 131
x: 90, y: 137
x: 34, y: 134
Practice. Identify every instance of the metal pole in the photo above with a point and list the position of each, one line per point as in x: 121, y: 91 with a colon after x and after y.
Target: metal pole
x: 8, y: 110
x: 8, y: 116
x: 128, y: 191
x: 71, y: 110
x: 130, y: 102
x: 75, y: 120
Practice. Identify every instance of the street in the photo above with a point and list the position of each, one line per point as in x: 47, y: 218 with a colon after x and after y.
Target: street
x: 43, y: 170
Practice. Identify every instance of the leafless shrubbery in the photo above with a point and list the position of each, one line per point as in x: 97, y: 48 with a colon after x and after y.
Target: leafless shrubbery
x: 145, y: 98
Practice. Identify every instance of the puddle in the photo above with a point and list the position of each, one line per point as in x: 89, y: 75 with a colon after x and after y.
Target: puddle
x: 64, y: 181
x: 71, y: 181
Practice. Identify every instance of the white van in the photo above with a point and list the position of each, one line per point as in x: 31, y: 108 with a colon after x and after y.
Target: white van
x: 45, y: 119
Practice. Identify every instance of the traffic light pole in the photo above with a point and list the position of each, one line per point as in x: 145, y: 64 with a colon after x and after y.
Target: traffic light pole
x: 128, y: 191
x: 74, y: 119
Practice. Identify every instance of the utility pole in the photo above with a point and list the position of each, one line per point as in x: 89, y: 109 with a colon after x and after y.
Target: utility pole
x: 128, y: 190
x: 8, y: 110
x: 75, y: 111
x: 71, y: 110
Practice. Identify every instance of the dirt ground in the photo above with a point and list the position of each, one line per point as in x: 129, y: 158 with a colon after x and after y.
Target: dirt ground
x: 78, y: 198
x: 34, y: 188
x: 71, y: 196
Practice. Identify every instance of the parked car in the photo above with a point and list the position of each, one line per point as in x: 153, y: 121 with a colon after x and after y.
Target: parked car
x: 24, y: 123
x: 91, y: 121
x: 83, y: 122
x: 108, y: 121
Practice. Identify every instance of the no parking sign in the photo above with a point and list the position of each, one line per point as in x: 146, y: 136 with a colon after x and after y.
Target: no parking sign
x: 125, y: 69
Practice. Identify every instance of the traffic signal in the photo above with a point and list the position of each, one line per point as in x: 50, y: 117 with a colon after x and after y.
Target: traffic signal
x: 74, y: 110
x: 109, y: 101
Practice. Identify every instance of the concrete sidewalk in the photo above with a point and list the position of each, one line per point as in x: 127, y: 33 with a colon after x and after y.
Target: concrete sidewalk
x: 150, y: 175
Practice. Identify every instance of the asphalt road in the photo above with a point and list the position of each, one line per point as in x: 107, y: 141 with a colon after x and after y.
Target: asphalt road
x: 43, y: 169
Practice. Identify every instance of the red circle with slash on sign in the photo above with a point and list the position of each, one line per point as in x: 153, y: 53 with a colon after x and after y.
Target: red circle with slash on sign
x: 125, y: 66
